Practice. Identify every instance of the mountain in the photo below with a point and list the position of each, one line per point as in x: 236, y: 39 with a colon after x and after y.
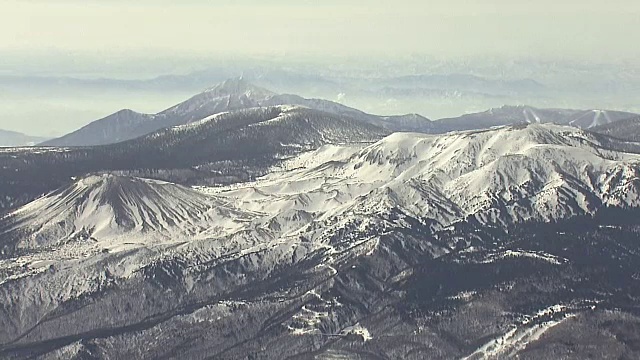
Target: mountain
x: 463, y: 82
x: 409, y: 122
x: 499, y: 177
x: 238, y: 94
x: 12, y: 138
x: 509, y: 115
x: 100, y: 207
x: 233, y: 94
x: 628, y: 129
x: 116, y: 127
x: 519, y: 241
x: 230, y: 95
x: 222, y: 148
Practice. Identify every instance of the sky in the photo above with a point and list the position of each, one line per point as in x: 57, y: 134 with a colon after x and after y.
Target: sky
x: 143, y: 39
x: 598, y: 30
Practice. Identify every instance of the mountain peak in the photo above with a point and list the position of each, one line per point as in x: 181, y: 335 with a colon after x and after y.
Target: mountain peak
x: 108, y: 206
x: 238, y: 86
x: 126, y: 112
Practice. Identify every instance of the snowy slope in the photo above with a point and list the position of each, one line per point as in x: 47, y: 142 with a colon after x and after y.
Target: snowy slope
x: 535, y: 172
x: 321, y: 245
x: 226, y: 147
x: 233, y: 94
x: 100, y: 209
x: 499, y: 176
x: 409, y: 122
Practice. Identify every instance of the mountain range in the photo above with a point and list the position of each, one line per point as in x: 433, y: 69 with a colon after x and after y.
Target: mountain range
x: 237, y: 94
x: 508, y: 115
x: 222, y: 148
x: 468, y: 244
x: 12, y: 138
x: 230, y: 95
x: 243, y: 224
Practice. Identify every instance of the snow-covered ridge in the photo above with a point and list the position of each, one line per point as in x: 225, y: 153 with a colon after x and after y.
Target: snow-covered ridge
x: 502, y: 175
x: 522, y: 114
x: 283, y: 109
x: 232, y: 94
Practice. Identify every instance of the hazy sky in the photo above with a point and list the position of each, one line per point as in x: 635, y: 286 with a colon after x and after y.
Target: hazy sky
x: 146, y: 38
x: 593, y: 29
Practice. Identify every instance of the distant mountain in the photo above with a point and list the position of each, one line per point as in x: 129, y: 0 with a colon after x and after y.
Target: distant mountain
x: 226, y: 147
x: 12, y: 138
x: 124, y: 125
x: 237, y: 94
x: 628, y: 129
x: 231, y: 95
x: 117, y: 127
x: 515, y: 242
x: 462, y: 82
x: 509, y: 115
x: 409, y: 122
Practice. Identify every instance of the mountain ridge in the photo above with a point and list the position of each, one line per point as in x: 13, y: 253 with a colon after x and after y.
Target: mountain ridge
x: 628, y: 129
x: 323, y: 249
x: 345, y: 249
x: 511, y: 115
x: 230, y: 95
x: 225, y: 147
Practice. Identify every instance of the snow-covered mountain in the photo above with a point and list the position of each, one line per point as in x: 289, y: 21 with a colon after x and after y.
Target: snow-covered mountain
x: 507, y: 175
x: 12, y: 138
x: 415, y: 246
x: 107, y: 207
x: 233, y: 94
x: 509, y: 115
x: 238, y: 94
x: 409, y: 122
x: 230, y: 95
x: 222, y: 148
x: 501, y: 176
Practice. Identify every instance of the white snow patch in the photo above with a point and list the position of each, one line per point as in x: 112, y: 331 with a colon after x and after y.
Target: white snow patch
x: 358, y: 329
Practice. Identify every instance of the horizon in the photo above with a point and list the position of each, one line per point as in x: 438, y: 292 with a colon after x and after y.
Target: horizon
x: 251, y: 83
x: 66, y: 63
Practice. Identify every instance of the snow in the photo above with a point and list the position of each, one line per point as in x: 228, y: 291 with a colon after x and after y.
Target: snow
x: 333, y: 202
x: 523, y: 334
x: 538, y: 255
x: 358, y: 329
x: 465, y: 296
x: 34, y: 150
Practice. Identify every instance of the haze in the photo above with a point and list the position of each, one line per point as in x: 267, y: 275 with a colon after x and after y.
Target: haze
x: 331, y: 40
x: 593, y: 29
